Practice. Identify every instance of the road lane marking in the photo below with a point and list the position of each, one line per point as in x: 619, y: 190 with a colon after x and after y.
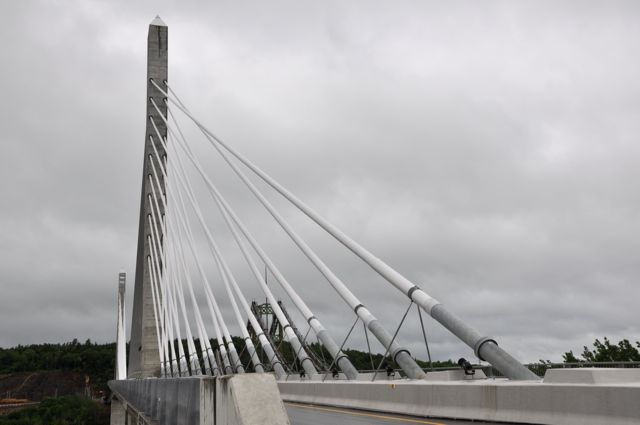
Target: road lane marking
x: 370, y: 415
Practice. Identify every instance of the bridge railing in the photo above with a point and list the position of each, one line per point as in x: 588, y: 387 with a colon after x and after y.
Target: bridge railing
x: 538, y: 368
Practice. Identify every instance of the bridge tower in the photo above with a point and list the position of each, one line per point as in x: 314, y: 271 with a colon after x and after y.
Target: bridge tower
x: 121, y: 345
x: 144, y: 357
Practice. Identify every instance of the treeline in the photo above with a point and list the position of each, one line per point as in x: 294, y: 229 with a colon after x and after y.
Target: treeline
x: 94, y: 360
x: 623, y: 351
x: 98, y: 360
x: 68, y: 410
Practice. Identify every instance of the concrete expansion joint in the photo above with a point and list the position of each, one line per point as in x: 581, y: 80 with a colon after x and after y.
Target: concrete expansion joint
x: 478, y: 345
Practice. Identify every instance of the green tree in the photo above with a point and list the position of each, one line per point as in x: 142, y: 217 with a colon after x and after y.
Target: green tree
x: 69, y: 410
x: 569, y: 357
x: 605, y: 351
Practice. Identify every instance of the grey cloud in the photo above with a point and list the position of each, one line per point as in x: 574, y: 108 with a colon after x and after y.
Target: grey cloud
x: 487, y: 151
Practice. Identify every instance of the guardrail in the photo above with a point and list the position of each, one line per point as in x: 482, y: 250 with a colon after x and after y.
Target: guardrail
x: 537, y: 368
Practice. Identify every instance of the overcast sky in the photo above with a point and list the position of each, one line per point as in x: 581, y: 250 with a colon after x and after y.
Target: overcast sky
x: 487, y: 150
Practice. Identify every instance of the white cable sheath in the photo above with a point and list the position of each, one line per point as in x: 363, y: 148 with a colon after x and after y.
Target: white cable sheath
x: 184, y: 181
x: 204, y: 339
x: 214, y: 309
x: 391, y: 275
x: 223, y: 268
x: 291, y: 336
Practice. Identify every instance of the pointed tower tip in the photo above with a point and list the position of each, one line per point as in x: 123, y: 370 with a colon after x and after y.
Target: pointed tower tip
x: 158, y: 22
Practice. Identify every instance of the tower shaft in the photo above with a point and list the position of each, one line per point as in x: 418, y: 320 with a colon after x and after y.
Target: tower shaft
x: 144, y: 356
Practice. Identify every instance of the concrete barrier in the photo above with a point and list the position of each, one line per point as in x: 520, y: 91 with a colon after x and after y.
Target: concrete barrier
x: 531, y: 402
x: 248, y: 399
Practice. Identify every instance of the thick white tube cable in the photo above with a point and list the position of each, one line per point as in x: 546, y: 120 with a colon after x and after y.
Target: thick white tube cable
x: 226, y: 276
x: 160, y: 275
x: 159, y: 338
x: 199, y: 324
x: 205, y: 349
x: 156, y: 289
x: 211, y: 365
x: 391, y: 275
x: 190, y: 344
x: 221, y: 347
x: 149, y: 264
x: 182, y: 177
x: 211, y: 299
x: 264, y: 342
x: 337, y: 284
x: 484, y: 347
x: 173, y: 307
x: 291, y: 336
x: 213, y: 306
x: 152, y: 265
x: 398, y: 352
x: 216, y: 324
x: 167, y: 316
x: 202, y: 335
x: 234, y: 358
x: 172, y: 360
x: 208, y: 357
x: 189, y: 237
x: 182, y: 359
x: 155, y: 295
x: 222, y: 267
x: 170, y: 335
x: 167, y: 276
x: 174, y: 282
x: 164, y: 320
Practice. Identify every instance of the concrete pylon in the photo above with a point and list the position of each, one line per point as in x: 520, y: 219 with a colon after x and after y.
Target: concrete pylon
x: 144, y: 358
x: 121, y: 345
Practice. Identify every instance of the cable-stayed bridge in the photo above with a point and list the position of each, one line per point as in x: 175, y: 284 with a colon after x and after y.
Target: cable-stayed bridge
x: 185, y: 367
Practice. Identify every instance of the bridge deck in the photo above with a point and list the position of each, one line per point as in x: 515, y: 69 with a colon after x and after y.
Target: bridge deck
x: 305, y: 414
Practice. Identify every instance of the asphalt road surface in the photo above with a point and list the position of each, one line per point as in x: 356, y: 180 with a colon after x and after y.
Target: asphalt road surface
x: 304, y: 414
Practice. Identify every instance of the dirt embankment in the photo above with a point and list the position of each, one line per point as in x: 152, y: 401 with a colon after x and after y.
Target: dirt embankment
x: 35, y: 386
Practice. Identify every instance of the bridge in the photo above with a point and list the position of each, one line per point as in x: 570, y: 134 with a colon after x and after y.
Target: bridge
x: 185, y: 367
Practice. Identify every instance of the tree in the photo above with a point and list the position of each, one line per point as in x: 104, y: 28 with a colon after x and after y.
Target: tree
x: 69, y: 410
x: 605, y: 351
x: 569, y: 357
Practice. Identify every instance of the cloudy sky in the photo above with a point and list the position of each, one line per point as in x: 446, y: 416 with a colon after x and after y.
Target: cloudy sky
x: 487, y: 150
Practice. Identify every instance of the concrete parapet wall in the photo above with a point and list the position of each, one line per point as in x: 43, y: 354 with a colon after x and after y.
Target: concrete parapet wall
x: 248, y: 399
x: 490, y: 400
x: 592, y: 375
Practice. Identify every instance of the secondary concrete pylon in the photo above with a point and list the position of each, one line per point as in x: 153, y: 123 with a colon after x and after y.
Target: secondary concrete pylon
x: 144, y: 358
x: 121, y: 345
